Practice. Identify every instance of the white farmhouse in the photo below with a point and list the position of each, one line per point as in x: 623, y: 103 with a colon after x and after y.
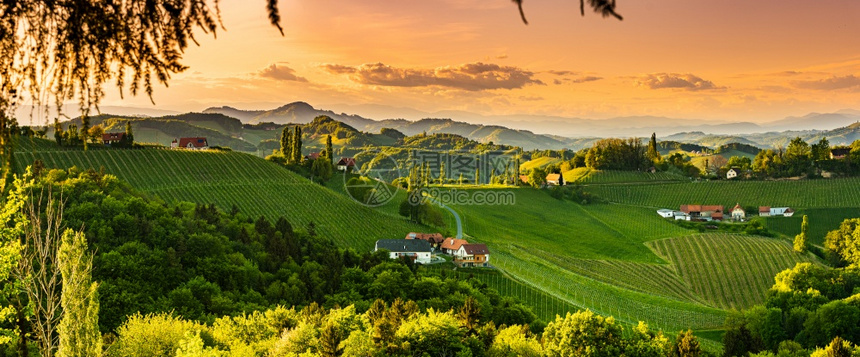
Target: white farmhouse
x: 415, y: 249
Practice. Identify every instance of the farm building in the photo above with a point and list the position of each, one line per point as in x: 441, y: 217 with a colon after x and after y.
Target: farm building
x: 198, y: 143
x: 112, y: 138
x: 472, y: 255
x: 733, y: 172
x: 764, y: 211
x: 678, y: 215
x: 312, y: 156
x: 524, y: 179
x: 738, y: 213
x: 415, y: 249
x: 839, y: 153
x: 781, y: 211
x: 345, y: 163
x: 555, y: 180
x: 703, y: 212
x: 435, y: 239
x: 451, y: 245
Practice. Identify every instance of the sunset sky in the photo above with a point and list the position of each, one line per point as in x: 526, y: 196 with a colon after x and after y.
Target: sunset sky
x: 726, y: 59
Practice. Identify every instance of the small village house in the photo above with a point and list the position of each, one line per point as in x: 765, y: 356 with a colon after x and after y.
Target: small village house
x: 113, y: 138
x: 472, y: 255
x: 677, y: 215
x: 415, y: 249
x: 197, y: 143
x: 451, y: 245
x: 781, y: 211
x: 312, y: 156
x: 346, y: 164
x: 524, y: 179
x: 764, y: 211
x: 839, y: 153
x: 555, y: 180
x: 435, y: 239
x: 733, y: 172
x: 738, y: 213
x: 703, y: 212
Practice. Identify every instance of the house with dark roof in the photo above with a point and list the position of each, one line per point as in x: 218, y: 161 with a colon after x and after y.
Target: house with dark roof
x: 346, y: 163
x: 451, y: 245
x: 113, y: 138
x: 313, y: 156
x: 197, y: 143
x: 415, y: 249
x: 839, y: 153
x: 472, y: 255
x: 435, y: 239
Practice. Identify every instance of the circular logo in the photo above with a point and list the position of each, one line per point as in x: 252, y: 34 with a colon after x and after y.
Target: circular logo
x: 371, y: 185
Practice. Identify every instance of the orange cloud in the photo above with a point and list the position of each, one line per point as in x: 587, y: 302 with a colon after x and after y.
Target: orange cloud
x: 675, y: 80
x: 832, y: 83
x: 280, y: 72
x: 471, y: 76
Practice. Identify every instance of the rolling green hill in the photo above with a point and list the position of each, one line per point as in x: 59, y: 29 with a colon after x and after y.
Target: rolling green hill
x: 540, y: 163
x: 257, y: 187
x: 585, y: 175
x: 824, y: 193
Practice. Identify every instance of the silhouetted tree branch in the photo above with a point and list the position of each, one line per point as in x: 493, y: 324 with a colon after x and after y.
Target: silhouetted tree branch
x: 606, y: 8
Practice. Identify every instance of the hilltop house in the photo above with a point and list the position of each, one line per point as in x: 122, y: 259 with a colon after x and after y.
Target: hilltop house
x: 435, y: 239
x: 839, y: 153
x: 554, y: 180
x: 703, y: 212
x: 415, y: 249
x: 451, y: 245
x: 472, y: 255
x: 733, y: 172
x: 198, y: 143
x: 113, y: 138
x: 346, y: 164
x: 738, y: 213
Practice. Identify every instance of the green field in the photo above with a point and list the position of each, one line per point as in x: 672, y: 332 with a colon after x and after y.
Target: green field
x: 540, y: 162
x: 822, y: 193
x: 729, y: 271
x: 821, y: 221
x: 257, y: 187
x: 585, y: 175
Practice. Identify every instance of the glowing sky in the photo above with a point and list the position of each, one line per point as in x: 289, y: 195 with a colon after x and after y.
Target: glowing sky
x: 722, y: 59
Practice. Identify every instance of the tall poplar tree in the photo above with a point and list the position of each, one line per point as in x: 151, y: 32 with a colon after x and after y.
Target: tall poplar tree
x: 79, y: 327
x: 286, y: 145
x: 329, y: 151
x: 801, y: 241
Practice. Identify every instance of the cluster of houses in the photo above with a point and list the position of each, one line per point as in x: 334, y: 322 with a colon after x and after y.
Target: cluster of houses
x: 716, y: 212
x: 420, y: 246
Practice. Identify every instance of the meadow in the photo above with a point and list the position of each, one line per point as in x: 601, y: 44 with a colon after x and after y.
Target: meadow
x: 255, y: 186
x: 584, y: 175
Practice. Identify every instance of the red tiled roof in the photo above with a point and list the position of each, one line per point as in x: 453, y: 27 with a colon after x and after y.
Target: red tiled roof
x: 314, y: 155
x: 347, y: 161
x: 701, y: 208
x: 453, y: 243
x: 472, y: 249
x: 430, y: 237
x: 524, y: 178
x: 198, y: 142
x: 764, y: 209
x: 737, y: 206
x: 553, y: 177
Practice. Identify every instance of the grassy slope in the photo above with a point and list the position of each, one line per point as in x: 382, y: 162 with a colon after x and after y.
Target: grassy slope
x: 588, y: 176
x: 821, y: 221
x: 540, y: 162
x: 728, y: 271
x: 255, y: 186
x: 829, y: 193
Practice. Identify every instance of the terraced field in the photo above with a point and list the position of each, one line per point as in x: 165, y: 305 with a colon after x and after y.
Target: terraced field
x: 726, y: 270
x: 824, y: 193
x: 540, y: 162
x: 257, y: 187
x: 584, y: 175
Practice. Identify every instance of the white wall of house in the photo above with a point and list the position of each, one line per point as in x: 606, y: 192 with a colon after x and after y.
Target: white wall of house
x: 421, y: 257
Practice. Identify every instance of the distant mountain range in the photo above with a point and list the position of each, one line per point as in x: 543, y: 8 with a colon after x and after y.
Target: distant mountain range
x: 243, y: 127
